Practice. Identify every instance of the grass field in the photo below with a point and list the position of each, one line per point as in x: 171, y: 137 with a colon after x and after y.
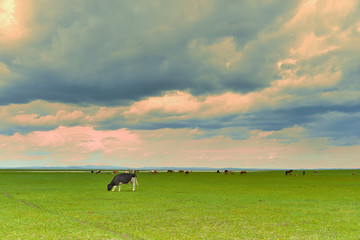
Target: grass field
x: 267, y: 205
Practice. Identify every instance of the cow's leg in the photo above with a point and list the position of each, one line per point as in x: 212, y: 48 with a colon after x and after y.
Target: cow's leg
x: 113, y: 188
x: 133, y: 182
x: 119, y: 187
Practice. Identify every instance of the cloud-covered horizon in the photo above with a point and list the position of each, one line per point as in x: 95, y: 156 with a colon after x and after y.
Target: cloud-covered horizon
x: 288, y: 71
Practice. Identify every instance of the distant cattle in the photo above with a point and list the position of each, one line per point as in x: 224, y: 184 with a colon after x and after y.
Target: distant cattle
x: 98, y: 171
x: 153, y: 172
x: 288, y: 172
x: 226, y: 172
x: 181, y: 171
x: 187, y: 172
x: 218, y: 172
x: 316, y: 171
x: 115, y: 172
x: 170, y: 171
x: 243, y: 172
x: 123, y: 178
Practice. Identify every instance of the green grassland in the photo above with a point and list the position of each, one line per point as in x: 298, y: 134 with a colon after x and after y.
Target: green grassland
x: 266, y: 205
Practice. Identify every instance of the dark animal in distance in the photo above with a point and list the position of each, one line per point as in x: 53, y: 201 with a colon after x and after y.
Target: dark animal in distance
x: 288, y: 172
x: 123, y: 178
x: 98, y: 171
x: 170, y: 171
x: 243, y: 172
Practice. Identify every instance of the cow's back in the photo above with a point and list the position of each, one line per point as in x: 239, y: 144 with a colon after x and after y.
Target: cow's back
x: 122, y: 178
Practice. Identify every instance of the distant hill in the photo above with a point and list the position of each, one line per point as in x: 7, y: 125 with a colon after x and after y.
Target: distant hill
x: 104, y: 167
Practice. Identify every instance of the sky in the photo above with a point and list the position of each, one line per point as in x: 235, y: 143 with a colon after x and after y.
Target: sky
x: 245, y: 84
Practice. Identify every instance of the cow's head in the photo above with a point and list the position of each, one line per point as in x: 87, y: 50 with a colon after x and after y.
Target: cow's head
x: 109, y: 187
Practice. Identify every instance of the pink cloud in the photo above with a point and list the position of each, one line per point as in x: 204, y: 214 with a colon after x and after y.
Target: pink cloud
x: 14, y: 16
x: 85, y: 139
x: 173, y: 147
x: 104, y: 113
x: 182, y: 105
x: 60, y: 117
x: 172, y: 102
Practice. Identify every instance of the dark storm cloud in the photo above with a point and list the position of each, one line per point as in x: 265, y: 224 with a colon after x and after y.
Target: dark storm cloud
x: 102, y: 53
x: 338, y: 123
x: 284, y: 118
x: 340, y: 128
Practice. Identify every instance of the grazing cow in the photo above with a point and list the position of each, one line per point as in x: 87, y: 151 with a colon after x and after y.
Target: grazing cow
x: 98, y: 171
x: 181, y: 171
x: 243, y: 172
x: 170, y: 171
x: 226, y: 172
x: 288, y: 172
x: 187, y: 172
x: 153, y: 172
x: 123, y: 178
x: 115, y: 172
x: 218, y: 172
x: 316, y: 171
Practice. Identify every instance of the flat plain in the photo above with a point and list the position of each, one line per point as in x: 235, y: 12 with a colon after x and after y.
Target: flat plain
x: 199, y: 205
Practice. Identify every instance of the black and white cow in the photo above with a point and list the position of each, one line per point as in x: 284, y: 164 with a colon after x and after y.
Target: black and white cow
x: 123, y: 178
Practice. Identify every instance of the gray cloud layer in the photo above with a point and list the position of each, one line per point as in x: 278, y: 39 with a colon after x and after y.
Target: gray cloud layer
x: 102, y: 53
x: 111, y: 54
